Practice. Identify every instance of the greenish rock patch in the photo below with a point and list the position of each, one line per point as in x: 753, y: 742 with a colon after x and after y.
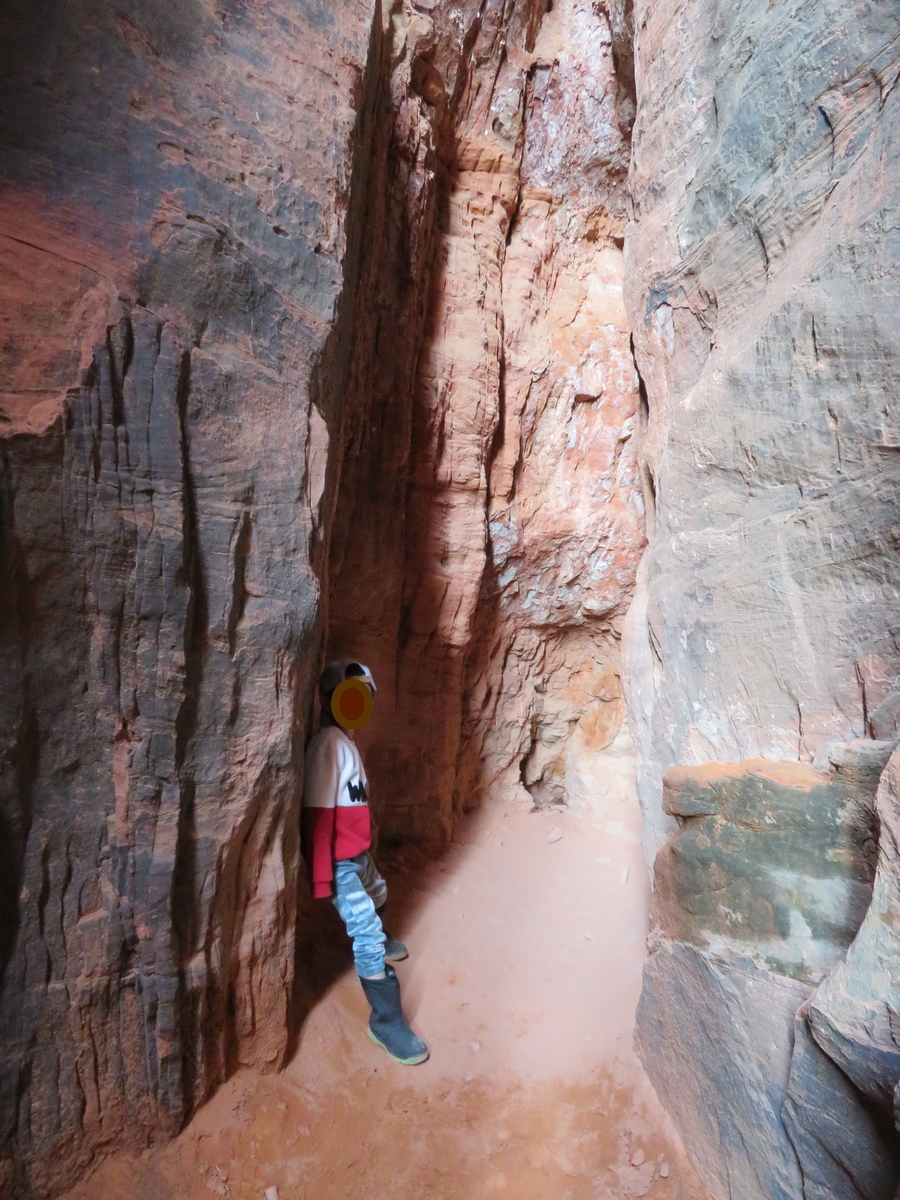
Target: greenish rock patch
x: 773, y: 859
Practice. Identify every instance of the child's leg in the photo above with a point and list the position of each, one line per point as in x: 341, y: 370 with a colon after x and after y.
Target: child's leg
x: 373, y: 882
x: 394, y: 950
x: 358, y: 914
x: 387, y: 1024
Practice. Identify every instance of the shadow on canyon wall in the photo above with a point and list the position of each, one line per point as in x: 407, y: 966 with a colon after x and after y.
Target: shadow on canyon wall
x: 256, y: 388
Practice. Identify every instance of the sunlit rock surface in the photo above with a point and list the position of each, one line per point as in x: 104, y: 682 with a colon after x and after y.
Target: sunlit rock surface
x: 491, y: 520
x: 762, y: 273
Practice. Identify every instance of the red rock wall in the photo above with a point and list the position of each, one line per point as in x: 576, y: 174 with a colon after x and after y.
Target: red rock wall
x: 314, y: 341
x: 176, y: 237
x: 491, y: 515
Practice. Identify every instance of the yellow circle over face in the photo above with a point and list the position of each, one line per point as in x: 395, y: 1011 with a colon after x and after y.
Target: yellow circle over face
x: 352, y: 704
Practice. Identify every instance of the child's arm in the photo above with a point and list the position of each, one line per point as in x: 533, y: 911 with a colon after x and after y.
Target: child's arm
x: 318, y: 832
x: 320, y: 791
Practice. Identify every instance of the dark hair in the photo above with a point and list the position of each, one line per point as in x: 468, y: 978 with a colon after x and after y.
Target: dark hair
x: 352, y: 669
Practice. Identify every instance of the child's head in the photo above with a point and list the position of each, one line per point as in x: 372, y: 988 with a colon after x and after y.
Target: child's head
x: 333, y: 675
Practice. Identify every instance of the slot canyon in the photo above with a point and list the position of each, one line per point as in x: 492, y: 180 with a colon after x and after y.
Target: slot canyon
x: 538, y: 354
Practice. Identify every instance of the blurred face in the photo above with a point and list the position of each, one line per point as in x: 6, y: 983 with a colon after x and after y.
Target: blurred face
x: 351, y: 703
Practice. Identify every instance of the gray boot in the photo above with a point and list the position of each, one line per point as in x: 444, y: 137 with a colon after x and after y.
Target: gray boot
x: 387, y: 1025
x: 394, y: 949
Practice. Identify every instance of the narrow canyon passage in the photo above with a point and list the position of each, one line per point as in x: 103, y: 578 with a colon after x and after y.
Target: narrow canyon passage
x: 543, y: 356
x: 526, y: 946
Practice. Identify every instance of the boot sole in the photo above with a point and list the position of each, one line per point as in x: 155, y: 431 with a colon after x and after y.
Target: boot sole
x: 407, y: 1062
x: 392, y: 958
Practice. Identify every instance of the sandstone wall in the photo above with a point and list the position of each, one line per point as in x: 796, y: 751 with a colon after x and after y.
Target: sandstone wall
x: 762, y: 278
x: 762, y: 284
x: 314, y: 340
x: 757, y: 900
x: 176, y: 235
x: 491, y: 515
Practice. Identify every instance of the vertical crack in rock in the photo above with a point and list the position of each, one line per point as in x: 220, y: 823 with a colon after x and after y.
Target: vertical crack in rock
x: 176, y: 242
x: 490, y: 519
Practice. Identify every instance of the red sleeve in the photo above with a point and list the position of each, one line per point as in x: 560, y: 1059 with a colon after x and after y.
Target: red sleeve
x: 318, y: 837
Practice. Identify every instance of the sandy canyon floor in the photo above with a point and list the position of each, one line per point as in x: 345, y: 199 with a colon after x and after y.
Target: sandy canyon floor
x: 526, y: 950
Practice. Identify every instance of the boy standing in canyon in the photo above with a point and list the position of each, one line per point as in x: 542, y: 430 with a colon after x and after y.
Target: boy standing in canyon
x: 337, y: 839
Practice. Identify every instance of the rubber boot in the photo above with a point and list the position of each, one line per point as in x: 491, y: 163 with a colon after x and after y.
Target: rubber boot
x: 394, y: 949
x: 387, y: 1025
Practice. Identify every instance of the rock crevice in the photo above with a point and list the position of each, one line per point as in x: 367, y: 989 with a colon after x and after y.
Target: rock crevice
x: 336, y: 321
x: 320, y: 331
x: 490, y: 589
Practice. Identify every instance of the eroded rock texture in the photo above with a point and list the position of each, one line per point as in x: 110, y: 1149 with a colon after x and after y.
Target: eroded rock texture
x: 487, y: 555
x: 757, y: 899
x: 855, y: 1013
x: 777, y: 855
x: 174, y: 199
x: 313, y: 330
x: 315, y: 340
x: 762, y: 284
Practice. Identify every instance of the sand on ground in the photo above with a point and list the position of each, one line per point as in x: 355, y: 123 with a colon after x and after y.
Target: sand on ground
x: 526, y: 951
